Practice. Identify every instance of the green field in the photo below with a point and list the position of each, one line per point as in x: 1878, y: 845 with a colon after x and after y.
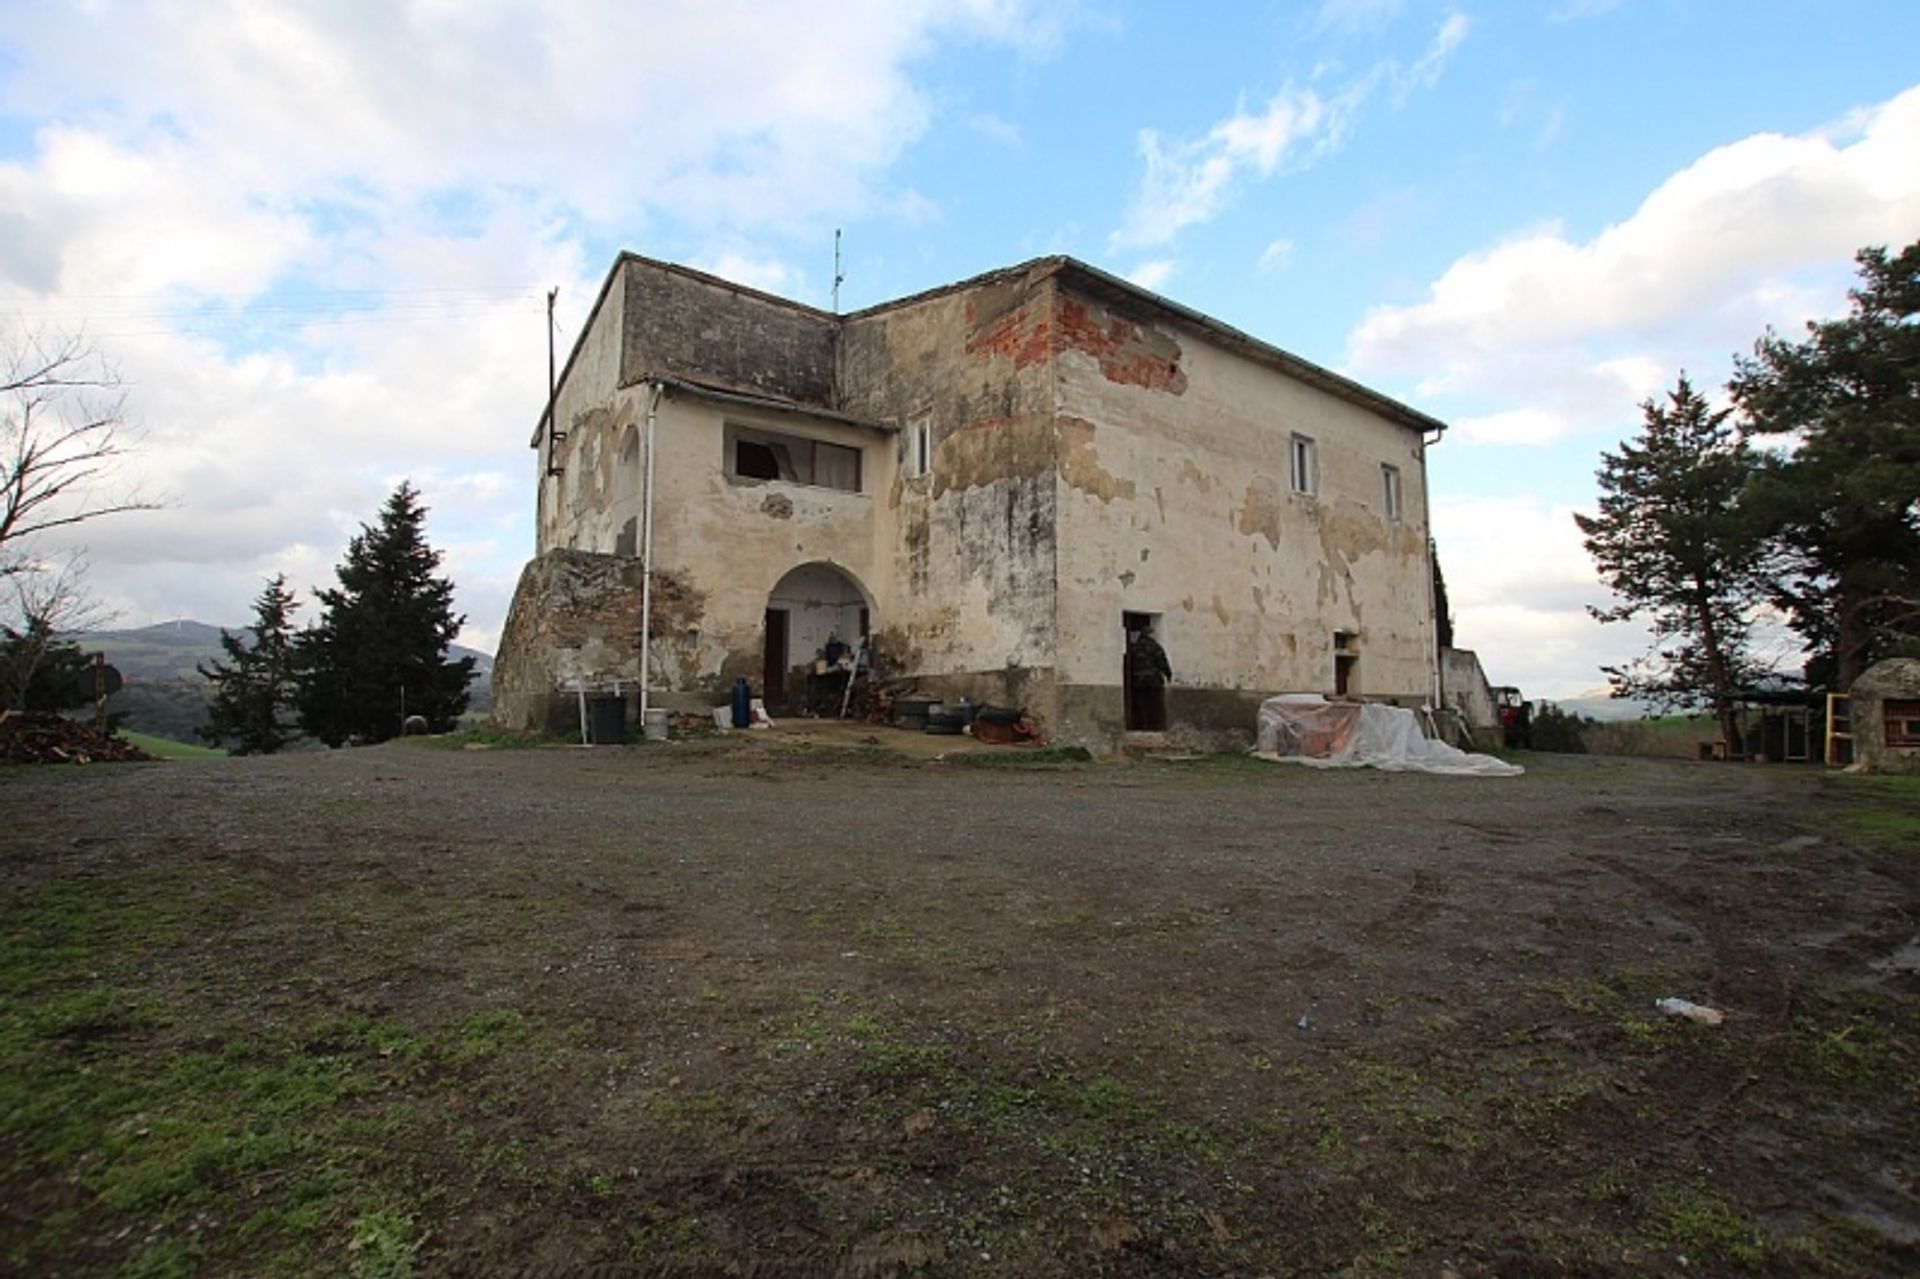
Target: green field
x: 166, y: 748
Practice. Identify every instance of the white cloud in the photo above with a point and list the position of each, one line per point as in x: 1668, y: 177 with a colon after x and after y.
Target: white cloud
x: 1722, y: 227
x: 450, y: 160
x: 1540, y: 337
x: 1514, y: 426
x: 1518, y: 582
x: 1187, y: 183
x: 727, y: 110
x: 995, y: 129
x: 1425, y: 73
x: 756, y: 271
x: 1353, y: 16
x: 1277, y: 256
x: 1575, y: 10
x: 1153, y: 274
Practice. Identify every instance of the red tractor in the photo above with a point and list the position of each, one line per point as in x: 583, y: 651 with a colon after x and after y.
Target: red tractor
x: 1516, y: 717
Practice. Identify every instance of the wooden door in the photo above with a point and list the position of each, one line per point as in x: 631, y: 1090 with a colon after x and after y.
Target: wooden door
x: 773, y: 678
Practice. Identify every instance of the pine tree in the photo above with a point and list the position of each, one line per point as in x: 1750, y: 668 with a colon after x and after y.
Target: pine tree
x: 254, y: 692
x: 39, y: 671
x: 1673, y: 545
x: 378, y: 652
x: 1442, y: 610
x: 1843, y: 509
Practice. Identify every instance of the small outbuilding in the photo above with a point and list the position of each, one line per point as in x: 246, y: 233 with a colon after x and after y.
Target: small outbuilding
x: 1885, y: 716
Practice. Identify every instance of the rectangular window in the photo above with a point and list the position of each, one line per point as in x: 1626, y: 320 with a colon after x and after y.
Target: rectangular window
x: 1305, y: 466
x: 1390, y: 491
x: 753, y: 454
x: 1903, y: 723
x: 919, y: 446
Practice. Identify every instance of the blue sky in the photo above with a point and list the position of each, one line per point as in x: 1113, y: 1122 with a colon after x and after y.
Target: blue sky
x: 315, y: 238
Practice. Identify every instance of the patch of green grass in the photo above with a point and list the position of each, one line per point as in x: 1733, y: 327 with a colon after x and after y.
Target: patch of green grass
x: 161, y: 1114
x: 1847, y: 1041
x: 1701, y: 1222
x: 1220, y: 766
x: 1650, y: 1034
x: 926, y: 941
x: 674, y: 1238
x: 486, y: 1035
x: 1881, y: 809
x: 486, y: 737
x: 167, y: 748
x: 1023, y: 757
x: 384, y: 1245
x: 690, y: 1109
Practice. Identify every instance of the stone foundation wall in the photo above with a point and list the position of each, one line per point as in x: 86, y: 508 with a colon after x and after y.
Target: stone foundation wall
x: 575, y: 616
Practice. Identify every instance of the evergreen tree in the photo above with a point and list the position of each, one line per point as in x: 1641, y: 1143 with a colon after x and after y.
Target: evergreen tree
x: 254, y: 692
x: 1843, y: 509
x: 1672, y: 544
x: 39, y: 671
x: 378, y: 652
x: 1442, y: 610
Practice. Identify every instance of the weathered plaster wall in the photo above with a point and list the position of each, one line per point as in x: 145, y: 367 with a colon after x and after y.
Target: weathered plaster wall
x: 1466, y: 692
x: 966, y: 551
x: 585, y: 413
x: 1175, y: 498
x: 734, y: 539
x: 706, y: 330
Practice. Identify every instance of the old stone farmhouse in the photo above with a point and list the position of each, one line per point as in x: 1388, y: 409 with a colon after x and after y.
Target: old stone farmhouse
x: 995, y: 480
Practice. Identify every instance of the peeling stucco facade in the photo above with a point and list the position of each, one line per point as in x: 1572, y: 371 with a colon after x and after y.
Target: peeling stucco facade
x: 1090, y: 450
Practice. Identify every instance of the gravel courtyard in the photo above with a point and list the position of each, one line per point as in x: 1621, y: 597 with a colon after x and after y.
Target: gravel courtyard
x: 751, y: 1008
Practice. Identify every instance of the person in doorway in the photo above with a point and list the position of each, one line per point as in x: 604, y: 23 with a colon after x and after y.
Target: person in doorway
x: 1151, y: 671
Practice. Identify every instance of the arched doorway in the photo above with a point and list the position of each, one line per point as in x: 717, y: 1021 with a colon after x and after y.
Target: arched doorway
x: 626, y: 495
x: 812, y: 606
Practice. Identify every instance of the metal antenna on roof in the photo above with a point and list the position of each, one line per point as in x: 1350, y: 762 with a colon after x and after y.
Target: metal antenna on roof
x: 838, y: 278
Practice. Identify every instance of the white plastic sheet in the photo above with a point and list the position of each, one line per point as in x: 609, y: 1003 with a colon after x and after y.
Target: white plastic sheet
x: 1305, y: 728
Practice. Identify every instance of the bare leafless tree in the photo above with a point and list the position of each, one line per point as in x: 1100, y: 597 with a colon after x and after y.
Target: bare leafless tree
x: 45, y: 604
x: 62, y: 431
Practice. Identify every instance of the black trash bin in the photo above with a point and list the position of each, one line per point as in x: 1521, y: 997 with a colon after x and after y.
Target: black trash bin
x: 606, y: 719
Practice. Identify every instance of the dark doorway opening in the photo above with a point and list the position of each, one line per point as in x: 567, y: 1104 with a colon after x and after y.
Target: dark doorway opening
x: 773, y: 676
x: 1140, y: 681
x: 1346, y: 664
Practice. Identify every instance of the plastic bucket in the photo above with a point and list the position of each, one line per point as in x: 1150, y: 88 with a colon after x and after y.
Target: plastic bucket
x: 655, y: 727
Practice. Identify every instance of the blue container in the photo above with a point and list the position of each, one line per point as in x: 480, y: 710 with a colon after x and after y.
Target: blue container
x: 742, y: 703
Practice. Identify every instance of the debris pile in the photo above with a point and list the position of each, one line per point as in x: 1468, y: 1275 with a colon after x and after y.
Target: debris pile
x: 55, y: 739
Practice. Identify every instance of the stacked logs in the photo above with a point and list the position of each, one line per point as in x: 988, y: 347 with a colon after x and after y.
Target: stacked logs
x: 55, y: 739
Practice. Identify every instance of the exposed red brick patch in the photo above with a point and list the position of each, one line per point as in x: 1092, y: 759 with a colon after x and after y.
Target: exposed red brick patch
x: 1126, y: 353
x: 1023, y: 335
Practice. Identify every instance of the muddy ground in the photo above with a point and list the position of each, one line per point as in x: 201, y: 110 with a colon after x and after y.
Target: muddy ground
x: 759, y: 1009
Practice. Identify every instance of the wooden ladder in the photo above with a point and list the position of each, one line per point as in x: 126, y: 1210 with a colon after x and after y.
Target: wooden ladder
x: 860, y: 656
x: 1839, y: 728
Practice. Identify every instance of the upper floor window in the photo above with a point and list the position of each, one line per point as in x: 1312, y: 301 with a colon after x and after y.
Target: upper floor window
x: 754, y: 454
x: 1305, y: 465
x: 1390, y: 491
x: 918, y: 446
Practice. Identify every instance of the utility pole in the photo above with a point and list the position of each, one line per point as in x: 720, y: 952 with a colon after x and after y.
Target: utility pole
x: 554, y: 433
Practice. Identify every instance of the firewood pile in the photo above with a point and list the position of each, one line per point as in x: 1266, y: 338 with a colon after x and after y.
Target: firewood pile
x: 873, y: 702
x: 55, y: 739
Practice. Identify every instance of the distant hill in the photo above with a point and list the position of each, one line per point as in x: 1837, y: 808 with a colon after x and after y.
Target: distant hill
x: 165, y: 694
x: 1597, y: 705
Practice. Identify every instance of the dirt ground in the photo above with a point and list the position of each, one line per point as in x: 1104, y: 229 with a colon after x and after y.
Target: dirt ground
x: 770, y: 1008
